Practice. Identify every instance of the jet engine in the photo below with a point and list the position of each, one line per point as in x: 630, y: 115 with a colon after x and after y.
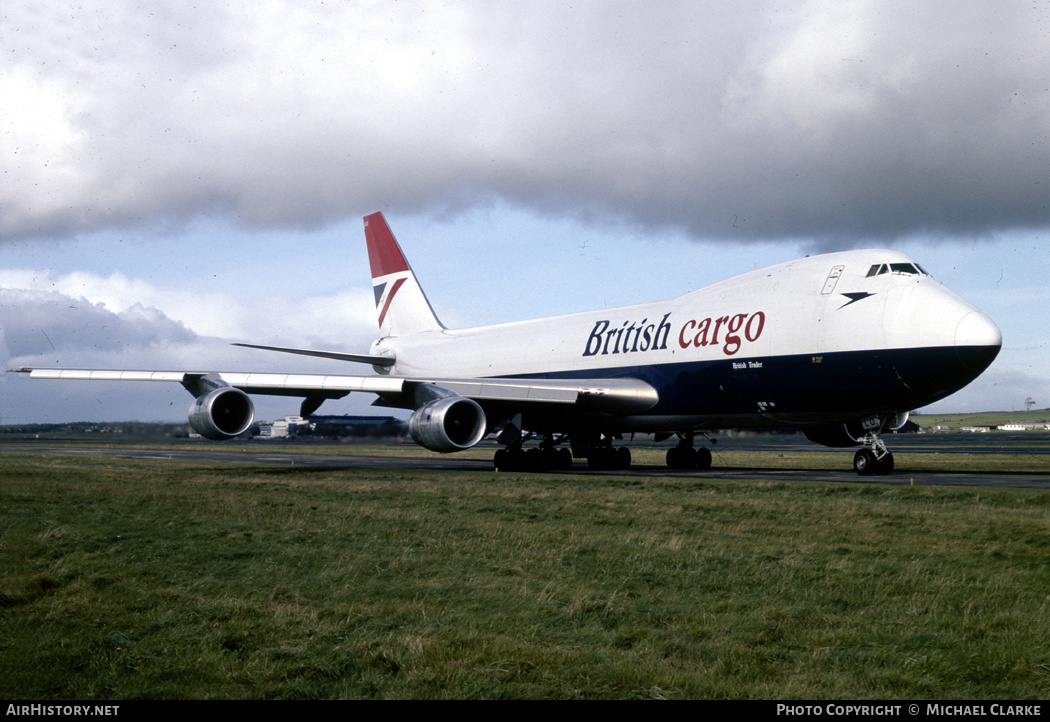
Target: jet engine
x: 222, y: 413
x: 852, y: 432
x: 453, y: 423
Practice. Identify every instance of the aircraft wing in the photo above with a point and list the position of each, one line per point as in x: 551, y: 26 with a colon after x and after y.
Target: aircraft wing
x: 612, y: 396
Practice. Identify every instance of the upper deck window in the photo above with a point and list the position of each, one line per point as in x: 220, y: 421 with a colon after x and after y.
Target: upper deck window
x: 913, y: 269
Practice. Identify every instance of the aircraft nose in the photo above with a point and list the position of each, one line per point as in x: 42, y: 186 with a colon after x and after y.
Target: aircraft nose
x: 977, y: 340
x: 976, y: 329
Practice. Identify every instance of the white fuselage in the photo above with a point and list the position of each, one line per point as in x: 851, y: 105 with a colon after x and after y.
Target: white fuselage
x: 760, y: 333
x: 758, y: 348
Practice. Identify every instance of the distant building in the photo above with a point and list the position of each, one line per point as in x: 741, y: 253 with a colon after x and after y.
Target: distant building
x: 370, y: 426
x: 332, y: 427
x: 281, y: 429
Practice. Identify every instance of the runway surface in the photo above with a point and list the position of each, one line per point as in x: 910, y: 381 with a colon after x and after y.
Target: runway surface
x: 264, y: 455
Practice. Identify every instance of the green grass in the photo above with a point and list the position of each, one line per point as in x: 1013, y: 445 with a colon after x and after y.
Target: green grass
x: 163, y: 579
x: 907, y: 464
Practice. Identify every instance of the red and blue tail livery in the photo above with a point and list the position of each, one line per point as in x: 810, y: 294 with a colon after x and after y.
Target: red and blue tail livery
x: 395, y: 286
x: 840, y: 346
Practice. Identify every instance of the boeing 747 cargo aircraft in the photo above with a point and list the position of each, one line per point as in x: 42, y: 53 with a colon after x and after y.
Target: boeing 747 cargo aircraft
x: 840, y: 346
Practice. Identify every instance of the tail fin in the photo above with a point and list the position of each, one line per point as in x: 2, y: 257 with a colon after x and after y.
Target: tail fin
x: 402, y: 306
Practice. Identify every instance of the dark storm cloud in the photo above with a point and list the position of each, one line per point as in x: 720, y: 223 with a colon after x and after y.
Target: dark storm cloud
x: 54, y: 325
x: 53, y: 329
x: 836, y: 122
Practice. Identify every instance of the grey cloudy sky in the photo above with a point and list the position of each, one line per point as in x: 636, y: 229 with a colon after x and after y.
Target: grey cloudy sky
x: 779, y: 127
x: 839, y: 121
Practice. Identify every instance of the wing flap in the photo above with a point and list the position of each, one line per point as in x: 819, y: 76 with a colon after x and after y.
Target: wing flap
x: 614, y: 396
x: 310, y: 384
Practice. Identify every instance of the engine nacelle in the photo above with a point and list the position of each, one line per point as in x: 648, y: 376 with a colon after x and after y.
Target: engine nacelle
x: 896, y: 422
x: 449, y: 424
x: 221, y: 414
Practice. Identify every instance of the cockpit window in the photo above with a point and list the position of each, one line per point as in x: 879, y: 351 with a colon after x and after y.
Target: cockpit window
x: 912, y: 269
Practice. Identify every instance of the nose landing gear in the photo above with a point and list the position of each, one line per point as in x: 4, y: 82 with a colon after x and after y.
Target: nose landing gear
x: 875, y: 460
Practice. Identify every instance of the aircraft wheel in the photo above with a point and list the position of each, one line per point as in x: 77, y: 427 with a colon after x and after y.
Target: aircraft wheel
x: 564, y: 459
x: 606, y: 458
x: 884, y: 466
x: 596, y: 459
x: 703, y: 459
x: 864, y: 462
x: 535, y: 460
x: 509, y: 459
x: 672, y: 458
x: 684, y: 458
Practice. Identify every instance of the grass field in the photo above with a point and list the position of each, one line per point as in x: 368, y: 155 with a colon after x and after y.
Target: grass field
x: 165, y: 579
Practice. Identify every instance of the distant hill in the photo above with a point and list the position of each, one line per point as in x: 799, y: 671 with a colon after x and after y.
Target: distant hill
x: 982, y: 418
x: 80, y: 428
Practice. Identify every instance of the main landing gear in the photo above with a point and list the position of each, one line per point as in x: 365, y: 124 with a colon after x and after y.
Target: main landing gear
x: 600, y: 453
x: 603, y: 456
x: 598, y: 449
x: 547, y: 457
x: 875, y: 460
x: 684, y: 457
x: 544, y: 458
x: 515, y: 458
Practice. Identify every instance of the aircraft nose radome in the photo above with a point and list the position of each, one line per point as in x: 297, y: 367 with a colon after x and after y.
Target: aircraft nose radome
x: 977, y: 342
x: 976, y: 329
